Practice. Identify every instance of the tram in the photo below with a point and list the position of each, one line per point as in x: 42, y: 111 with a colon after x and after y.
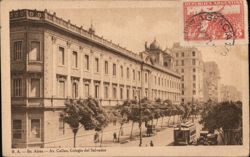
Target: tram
x: 184, y: 134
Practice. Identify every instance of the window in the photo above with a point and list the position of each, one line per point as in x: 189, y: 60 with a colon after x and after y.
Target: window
x: 139, y: 75
x: 182, y: 62
x: 193, y: 53
x: 194, y: 91
x: 61, y: 124
x: 194, y: 85
x: 127, y: 73
x: 182, y: 78
x: 121, y: 93
x: 35, y: 88
x: 121, y: 71
x: 193, y: 61
x: 114, y: 92
x: 106, y: 92
x: 182, y: 85
x: 34, y: 54
x: 146, y: 77
x: 194, y: 69
x: 133, y: 74
x: 96, y: 65
x: 61, y: 89
x: 182, y: 70
x: 86, y: 57
x: 96, y: 91
x: 106, y: 66
x: 155, y: 80
x: 114, y: 69
x: 74, y: 90
x: 17, y: 50
x: 17, y: 129
x: 127, y: 93
x: 86, y: 90
x: 35, y: 132
x: 159, y: 80
x: 162, y: 81
x: 182, y: 92
x: 61, y: 56
x: 177, y: 63
x: 194, y: 77
x: 134, y: 93
x: 74, y: 59
x: 182, y: 54
x: 177, y: 54
x: 17, y: 87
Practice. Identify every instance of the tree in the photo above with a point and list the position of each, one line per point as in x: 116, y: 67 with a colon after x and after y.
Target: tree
x: 226, y: 116
x: 122, y: 113
x: 89, y: 113
x: 72, y: 117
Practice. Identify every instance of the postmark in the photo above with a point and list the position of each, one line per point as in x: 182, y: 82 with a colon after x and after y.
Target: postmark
x: 213, y: 23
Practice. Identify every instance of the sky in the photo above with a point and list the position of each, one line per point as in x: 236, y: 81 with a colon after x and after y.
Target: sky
x: 131, y: 27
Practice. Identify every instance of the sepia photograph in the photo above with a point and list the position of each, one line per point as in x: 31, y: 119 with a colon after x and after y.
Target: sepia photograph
x: 117, y: 77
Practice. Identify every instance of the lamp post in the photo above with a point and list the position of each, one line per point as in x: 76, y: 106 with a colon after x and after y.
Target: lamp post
x: 140, y: 122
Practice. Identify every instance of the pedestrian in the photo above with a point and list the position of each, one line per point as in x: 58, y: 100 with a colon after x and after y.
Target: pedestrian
x: 96, y: 137
x: 151, y: 144
x: 114, y: 137
x: 122, y: 132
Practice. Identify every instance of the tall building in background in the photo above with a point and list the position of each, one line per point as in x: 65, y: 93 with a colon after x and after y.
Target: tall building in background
x: 53, y: 59
x: 211, y: 81
x: 189, y: 64
x: 229, y: 93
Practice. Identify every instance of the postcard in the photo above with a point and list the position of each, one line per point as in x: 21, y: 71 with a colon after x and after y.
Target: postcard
x: 125, y: 78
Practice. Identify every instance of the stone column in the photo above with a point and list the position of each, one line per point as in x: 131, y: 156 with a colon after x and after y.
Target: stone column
x: 54, y: 64
x: 150, y: 80
x: 68, y: 56
x: 80, y: 67
x: 142, y: 84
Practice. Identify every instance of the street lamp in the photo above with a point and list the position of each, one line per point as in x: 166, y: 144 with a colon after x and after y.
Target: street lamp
x: 140, y: 122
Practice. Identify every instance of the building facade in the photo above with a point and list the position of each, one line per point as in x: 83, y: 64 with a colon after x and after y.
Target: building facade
x: 52, y: 60
x: 211, y: 81
x: 189, y: 64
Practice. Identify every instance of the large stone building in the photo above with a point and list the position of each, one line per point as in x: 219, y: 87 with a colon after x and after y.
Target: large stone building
x: 189, y: 64
x: 53, y: 59
x: 211, y: 81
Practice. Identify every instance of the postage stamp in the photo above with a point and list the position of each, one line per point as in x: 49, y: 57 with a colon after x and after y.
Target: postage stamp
x: 213, y: 21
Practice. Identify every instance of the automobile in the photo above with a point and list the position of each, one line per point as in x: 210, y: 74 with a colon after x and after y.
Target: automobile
x: 203, y: 137
x: 212, y: 139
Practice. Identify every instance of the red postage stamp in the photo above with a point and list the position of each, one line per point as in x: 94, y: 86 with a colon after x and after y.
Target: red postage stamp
x: 217, y: 20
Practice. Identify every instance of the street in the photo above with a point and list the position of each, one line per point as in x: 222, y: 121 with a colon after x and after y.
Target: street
x: 163, y: 137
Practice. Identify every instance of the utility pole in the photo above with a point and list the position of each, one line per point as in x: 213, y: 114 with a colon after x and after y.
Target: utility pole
x: 140, y: 123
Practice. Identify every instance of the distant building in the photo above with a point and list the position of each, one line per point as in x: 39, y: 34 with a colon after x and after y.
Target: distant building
x: 211, y: 81
x: 53, y: 59
x: 189, y: 64
x: 158, y: 57
x: 229, y: 93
